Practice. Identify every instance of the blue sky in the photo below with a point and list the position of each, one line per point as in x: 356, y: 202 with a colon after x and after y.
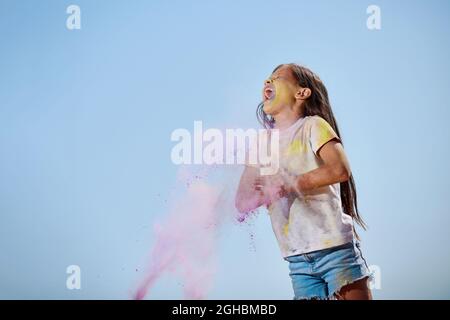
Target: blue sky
x: 86, y: 117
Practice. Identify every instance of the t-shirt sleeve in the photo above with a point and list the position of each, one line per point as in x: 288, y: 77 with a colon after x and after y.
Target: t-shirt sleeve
x: 321, y: 133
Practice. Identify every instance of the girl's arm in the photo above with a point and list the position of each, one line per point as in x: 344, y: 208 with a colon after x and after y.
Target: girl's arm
x: 247, y: 197
x: 335, y: 168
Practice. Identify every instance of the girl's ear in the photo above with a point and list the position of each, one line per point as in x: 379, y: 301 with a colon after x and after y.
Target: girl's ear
x: 303, y: 94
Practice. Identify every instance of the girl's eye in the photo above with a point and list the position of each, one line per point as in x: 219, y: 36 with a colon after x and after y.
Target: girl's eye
x: 273, y: 79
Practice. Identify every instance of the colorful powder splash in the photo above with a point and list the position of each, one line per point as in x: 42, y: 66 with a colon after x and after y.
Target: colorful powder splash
x: 186, y: 241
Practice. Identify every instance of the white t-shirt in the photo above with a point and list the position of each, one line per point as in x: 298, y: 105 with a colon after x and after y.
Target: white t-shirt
x: 312, y: 221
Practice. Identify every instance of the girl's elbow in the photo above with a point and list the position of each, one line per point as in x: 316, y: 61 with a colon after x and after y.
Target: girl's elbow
x: 342, y: 173
x: 345, y: 176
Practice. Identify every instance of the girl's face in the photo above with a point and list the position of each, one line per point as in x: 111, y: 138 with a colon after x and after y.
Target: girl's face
x: 279, y: 91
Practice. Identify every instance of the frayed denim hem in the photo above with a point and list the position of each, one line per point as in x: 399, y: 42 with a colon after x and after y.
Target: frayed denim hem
x: 335, y: 295
x: 311, y: 298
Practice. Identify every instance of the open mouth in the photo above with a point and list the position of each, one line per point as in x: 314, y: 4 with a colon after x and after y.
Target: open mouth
x: 269, y: 93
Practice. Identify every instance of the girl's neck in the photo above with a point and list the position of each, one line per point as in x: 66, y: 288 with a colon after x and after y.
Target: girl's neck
x: 284, y: 121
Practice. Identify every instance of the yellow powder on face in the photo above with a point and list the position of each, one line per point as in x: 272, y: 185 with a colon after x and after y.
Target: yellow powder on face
x: 283, y: 97
x: 282, y: 93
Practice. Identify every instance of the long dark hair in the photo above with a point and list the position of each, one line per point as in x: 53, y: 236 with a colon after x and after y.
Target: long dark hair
x: 318, y: 104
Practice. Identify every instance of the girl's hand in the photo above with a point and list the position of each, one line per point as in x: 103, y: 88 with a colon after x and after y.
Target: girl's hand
x: 290, y: 182
x: 271, y: 187
x: 279, y: 185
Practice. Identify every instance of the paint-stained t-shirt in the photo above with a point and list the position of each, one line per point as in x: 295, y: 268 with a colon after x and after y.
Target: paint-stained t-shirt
x: 314, y: 220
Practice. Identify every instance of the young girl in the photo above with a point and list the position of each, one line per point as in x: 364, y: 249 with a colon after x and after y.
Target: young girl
x: 314, y: 204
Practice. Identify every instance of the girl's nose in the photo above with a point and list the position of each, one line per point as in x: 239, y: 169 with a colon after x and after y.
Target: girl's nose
x: 268, y: 81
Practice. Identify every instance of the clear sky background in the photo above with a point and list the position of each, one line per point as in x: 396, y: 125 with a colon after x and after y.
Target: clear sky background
x: 86, y: 117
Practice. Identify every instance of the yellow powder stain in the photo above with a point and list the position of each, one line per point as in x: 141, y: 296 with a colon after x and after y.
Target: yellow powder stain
x: 286, y: 229
x: 344, y: 278
x: 324, y: 133
x: 295, y: 147
x: 327, y: 243
x: 286, y: 226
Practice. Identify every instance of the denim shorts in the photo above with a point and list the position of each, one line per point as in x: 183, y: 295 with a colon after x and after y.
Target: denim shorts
x: 321, y: 274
